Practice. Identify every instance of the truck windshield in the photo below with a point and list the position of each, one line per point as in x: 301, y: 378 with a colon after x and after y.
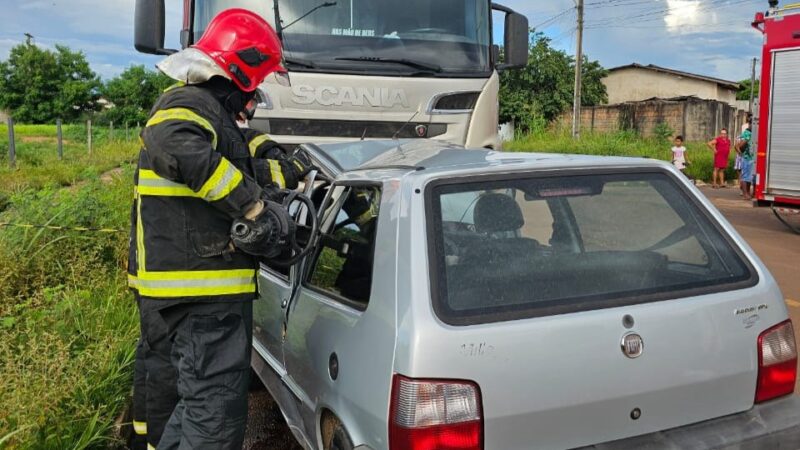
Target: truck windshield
x: 382, y: 36
x: 525, y: 247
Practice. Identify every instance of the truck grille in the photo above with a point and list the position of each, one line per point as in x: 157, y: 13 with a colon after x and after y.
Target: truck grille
x: 347, y: 128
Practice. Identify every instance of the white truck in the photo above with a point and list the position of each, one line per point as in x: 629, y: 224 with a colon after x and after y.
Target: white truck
x: 371, y: 69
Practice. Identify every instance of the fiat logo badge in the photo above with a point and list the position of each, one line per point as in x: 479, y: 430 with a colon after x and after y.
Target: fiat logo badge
x: 632, y: 345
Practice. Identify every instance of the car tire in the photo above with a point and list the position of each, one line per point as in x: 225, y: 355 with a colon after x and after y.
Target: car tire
x: 340, y: 440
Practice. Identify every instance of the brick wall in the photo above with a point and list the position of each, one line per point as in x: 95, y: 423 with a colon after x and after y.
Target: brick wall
x: 695, y: 119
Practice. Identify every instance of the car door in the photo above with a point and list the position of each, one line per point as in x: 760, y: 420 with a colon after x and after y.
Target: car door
x: 274, y: 291
x: 325, y: 315
x: 277, y: 283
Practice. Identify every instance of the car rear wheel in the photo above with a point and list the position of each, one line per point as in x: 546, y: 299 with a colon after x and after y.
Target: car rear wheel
x: 341, y: 440
x: 334, y: 436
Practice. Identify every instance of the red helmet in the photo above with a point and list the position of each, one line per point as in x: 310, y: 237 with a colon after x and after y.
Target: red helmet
x: 244, y: 45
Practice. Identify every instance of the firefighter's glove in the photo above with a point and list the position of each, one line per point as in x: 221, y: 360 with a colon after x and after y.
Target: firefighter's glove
x: 273, y: 194
x: 269, y: 149
x: 360, y: 209
x: 286, y: 173
x: 301, y: 163
x: 266, y: 234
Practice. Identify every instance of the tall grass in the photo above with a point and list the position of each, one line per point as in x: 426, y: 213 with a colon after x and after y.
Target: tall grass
x: 67, y: 324
x: 620, y: 144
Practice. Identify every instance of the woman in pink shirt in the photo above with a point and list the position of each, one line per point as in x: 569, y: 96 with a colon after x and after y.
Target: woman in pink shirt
x: 721, y: 146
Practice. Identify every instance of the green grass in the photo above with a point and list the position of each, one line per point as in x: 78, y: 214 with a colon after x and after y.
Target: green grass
x: 37, y: 156
x: 68, y: 326
x: 620, y: 144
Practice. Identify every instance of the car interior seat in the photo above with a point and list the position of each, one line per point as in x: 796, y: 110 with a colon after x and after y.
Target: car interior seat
x: 495, y: 268
x: 498, y: 218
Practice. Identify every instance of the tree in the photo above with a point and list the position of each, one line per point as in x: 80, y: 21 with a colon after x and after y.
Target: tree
x: 132, y: 93
x: 544, y: 88
x: 744, y: 90
x: 39, y: 85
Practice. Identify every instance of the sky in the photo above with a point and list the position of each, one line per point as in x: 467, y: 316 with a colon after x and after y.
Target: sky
x: 708, y: 37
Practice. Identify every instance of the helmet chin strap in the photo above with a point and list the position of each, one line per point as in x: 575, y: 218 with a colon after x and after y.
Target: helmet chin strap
x: 236, y: 101
x: 233, y: 99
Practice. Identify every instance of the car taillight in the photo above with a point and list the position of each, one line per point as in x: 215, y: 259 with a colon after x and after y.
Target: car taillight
x: 435, y: 415
x: 777, y: 362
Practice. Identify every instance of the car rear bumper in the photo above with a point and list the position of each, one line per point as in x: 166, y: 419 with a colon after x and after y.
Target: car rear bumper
x: 772, y: 425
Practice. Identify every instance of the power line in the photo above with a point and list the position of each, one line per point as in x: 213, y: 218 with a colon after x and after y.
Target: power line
x: 710, y: 25
x: 616, y: 3
x: 660, y: 13
x: 554, y: 18
x: 566, y: 34
x: 651, y: 15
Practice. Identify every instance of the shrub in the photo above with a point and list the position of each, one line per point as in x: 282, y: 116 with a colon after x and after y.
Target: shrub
x: 662, y: 132
x: 622, y: 143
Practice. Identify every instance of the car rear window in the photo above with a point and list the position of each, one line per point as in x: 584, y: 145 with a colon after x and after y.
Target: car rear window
x: 510, y: 248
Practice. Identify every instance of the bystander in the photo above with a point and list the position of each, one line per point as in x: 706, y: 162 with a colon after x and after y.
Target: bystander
x: 721, y: 146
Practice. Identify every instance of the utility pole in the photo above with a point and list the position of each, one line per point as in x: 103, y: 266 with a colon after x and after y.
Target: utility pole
x: 752, y: 86
x: 576, y: 107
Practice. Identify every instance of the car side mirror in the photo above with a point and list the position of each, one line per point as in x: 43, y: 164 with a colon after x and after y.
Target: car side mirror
x: 149, y: 18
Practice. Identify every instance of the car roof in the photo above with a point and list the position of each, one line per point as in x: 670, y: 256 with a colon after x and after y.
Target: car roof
x: 381, y: 158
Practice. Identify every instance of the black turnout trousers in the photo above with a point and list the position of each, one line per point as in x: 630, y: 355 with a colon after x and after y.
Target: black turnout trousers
x: 197, y: 364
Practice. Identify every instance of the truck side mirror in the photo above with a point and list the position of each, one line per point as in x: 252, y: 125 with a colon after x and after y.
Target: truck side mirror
x: 149, y: 20
x: 495, y: 53
x: 516, y: 41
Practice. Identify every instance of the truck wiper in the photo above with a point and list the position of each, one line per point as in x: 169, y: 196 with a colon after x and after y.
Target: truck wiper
x: 407, y: 62
x: 300, y: 62
x: 323, y: 5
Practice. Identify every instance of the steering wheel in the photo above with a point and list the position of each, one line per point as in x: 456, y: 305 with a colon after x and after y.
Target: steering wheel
x: 298, y: 250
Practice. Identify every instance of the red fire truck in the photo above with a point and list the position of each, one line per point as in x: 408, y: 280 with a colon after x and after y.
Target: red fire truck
x: 777, y: 137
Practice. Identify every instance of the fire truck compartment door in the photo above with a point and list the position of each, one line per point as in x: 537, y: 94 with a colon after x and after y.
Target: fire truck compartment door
x: 783, y: 163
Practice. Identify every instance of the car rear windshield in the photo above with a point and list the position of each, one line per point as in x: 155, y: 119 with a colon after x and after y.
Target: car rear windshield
x: 510, y: 248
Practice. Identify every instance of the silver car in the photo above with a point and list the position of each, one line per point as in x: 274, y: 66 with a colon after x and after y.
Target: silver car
x: 470, y: 299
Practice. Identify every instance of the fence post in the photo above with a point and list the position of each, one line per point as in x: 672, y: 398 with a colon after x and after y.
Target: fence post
x: 89, y: 135
x: 111, y: 131
x: 12, y: 149
x: 60, y: 137
x: 127, y: 136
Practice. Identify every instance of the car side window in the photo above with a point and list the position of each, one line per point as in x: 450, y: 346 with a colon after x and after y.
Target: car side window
x: 317, y: 196
x: 280, y: 271
x: 343, y: 265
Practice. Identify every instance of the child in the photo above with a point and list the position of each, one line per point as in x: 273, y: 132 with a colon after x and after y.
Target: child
x: 679, y: 156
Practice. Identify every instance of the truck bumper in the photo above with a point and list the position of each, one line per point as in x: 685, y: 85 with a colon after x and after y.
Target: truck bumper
x: 771, y: 425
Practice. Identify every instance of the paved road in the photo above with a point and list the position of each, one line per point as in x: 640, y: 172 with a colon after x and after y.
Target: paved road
x: 774, y: 243
x: 778, y: 247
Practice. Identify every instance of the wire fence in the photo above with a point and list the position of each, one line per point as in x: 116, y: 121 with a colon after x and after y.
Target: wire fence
x: 86, y: 135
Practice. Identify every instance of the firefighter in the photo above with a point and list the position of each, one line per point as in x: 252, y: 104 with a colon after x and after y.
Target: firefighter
x: 194, y: 287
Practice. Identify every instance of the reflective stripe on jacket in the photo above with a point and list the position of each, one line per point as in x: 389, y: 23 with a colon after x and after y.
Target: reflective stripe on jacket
x: 271, y: 165
x: 194, y: 177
